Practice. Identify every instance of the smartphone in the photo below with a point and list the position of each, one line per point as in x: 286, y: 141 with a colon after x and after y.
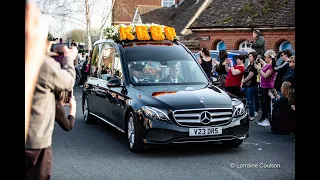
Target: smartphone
x: 258, y: 59
x: 59, y: 57
x: 59, y: 51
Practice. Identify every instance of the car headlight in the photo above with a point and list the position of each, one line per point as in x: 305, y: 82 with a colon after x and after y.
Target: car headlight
x: 155, y: 113
x: 238, y: 108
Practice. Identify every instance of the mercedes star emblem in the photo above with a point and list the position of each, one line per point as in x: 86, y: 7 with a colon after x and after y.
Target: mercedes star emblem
x: 201, y: 99
x: 205, y: 117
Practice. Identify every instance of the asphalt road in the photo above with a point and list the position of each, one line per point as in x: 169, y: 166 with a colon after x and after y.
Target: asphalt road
x: 101, y: 152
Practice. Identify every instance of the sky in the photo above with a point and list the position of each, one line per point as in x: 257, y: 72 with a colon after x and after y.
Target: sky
x: 100, y: 7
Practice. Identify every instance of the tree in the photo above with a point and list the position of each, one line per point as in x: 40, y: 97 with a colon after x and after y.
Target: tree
x: 95, y: 34
x: 77, y: 34
x: 105, y: 17
x: 77, y: 12
x: 88, y: 21
x: 50, y: 37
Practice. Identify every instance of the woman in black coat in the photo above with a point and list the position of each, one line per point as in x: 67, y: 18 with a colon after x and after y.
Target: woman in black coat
x: 283, y: 115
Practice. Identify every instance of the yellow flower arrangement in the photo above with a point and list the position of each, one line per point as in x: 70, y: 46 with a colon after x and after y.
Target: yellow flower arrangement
x: 122, y: 31
x: 129, y: 34
x: 126, y: 33
x: 156, y: 33
x: 142, y: 33
x: 170, y: 33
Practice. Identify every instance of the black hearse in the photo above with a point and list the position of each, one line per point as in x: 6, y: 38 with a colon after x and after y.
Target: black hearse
x: 156, y: 93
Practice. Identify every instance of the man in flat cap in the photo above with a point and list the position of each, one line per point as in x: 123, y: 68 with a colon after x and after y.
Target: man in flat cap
x: 137, y: 72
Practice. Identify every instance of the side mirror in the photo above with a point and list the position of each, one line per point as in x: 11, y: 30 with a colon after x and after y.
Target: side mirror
x: 114, y: 83
x: 214, y: 81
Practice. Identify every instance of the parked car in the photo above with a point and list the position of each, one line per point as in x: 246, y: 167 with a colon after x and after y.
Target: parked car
x: 153, y: 111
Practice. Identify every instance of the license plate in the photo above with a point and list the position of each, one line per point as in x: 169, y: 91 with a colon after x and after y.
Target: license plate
x: 205, y: 131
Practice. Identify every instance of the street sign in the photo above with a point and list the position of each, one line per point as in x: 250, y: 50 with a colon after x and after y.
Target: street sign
x: 205, y: 38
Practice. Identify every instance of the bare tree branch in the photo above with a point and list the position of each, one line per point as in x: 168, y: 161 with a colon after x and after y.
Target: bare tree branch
x: 106, y: 17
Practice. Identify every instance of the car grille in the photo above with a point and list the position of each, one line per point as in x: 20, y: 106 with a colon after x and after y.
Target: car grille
x: 191, y: 117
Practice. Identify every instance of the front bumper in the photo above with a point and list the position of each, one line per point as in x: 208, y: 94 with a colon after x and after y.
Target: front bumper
x: 159, y: 132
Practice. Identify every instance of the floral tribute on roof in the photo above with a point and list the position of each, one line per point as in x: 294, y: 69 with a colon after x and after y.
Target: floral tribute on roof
x: 141, y: 32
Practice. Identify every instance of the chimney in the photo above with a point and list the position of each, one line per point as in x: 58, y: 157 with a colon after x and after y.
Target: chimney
x: 176, y: 3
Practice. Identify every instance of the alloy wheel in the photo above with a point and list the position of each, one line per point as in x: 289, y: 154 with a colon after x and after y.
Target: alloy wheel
x: 85, y: 109
x: 131, y: 134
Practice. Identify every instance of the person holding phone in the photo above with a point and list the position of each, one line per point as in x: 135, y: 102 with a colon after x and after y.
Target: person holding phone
x: 267, y: 77
x: 66, y: 123
x: 220, y: 68
x: 234, y: 77
x: 282, y: 120
x: 249, y: 84
x: 53, y: 77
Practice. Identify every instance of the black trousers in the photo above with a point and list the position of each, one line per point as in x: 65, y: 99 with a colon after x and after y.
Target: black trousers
x: 38, y: 163
x: 235, y: 90
x: 257, y: 99
x: 265, y: 102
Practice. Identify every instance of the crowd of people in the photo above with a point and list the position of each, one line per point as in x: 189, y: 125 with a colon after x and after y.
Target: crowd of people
x: 265, y: 82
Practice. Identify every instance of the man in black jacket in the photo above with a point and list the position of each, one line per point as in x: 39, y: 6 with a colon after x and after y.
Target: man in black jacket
x: 281, y: 69
x: 258, y: 43
x: 173, y: 75
x: 290, y: 75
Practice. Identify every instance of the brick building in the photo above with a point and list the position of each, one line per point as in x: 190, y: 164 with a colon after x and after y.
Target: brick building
x: 124, y: 10
x: 216, y: 24
x: 229, y: 24
x: 180, y: 16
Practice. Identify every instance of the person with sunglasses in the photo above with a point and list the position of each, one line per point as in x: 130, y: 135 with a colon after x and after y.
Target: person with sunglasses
x: 281, y: 69
x: 290, y: 75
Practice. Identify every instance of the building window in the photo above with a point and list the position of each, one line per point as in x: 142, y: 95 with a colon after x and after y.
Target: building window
x: 221, y: 46
x: 285, y: 45
x: 244, y: 45
x: 167, y: 3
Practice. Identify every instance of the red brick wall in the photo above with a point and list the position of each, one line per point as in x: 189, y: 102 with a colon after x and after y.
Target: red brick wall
x: 233, y: 38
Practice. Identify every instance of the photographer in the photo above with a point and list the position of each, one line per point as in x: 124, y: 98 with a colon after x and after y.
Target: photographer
x: 258, y: 43
x: 53, y: 77
x: 267, y: 76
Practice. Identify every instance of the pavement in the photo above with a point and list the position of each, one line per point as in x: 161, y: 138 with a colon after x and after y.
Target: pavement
x: 101, y: 152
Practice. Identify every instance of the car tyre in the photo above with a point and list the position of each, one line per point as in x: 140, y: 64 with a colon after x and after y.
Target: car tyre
x: 232, y: 143
x: 133, y: 134
x: 88, y: 118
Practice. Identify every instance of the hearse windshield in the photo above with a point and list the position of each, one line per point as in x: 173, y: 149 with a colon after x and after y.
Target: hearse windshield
x: 159, y: 65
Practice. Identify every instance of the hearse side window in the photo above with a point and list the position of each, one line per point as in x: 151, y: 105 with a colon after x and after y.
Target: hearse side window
x: 94, y: 61
x: 117, y: 68
x: 105, y: 61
